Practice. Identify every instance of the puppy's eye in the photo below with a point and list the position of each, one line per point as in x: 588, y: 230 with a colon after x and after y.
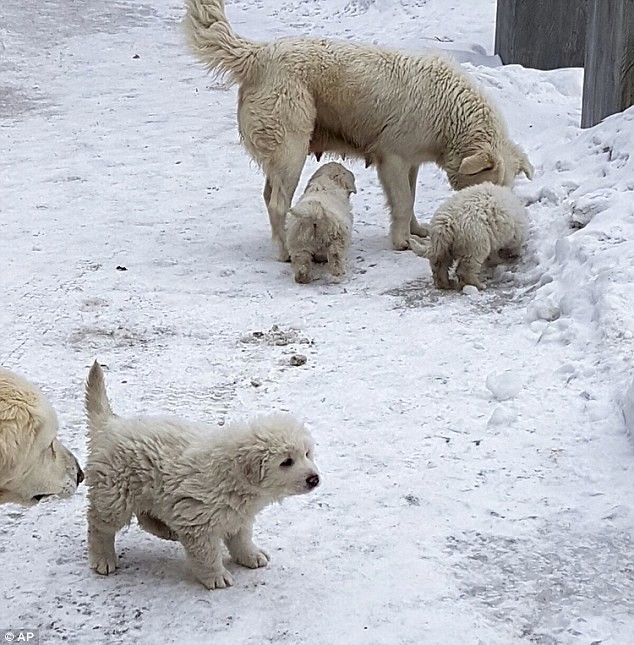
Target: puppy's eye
x: 287, y: 463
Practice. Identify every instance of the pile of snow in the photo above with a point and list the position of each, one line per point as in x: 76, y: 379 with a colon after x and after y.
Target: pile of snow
x: 583, y: 231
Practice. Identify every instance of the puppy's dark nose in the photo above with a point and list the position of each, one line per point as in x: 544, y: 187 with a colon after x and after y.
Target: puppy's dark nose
x: 80, y: 475
x: 312, y: 481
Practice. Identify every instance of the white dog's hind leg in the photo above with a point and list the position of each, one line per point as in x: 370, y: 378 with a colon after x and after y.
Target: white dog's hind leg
x: 282, y: 175
x: 266, y: 193
x: 336, y: 260
x: 394, y: 176
x: 244, y: 552
x: 205, y: 556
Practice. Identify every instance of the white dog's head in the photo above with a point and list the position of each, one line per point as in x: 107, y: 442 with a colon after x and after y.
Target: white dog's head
x: 276, y: 456
x: 33, y: 463
x: 499, y: 166
x: 333, y: 173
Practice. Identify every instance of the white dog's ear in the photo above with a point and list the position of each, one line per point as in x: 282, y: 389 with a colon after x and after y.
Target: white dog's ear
x: 478, y: 162
x: 346, y: 179
x: 252, y: 463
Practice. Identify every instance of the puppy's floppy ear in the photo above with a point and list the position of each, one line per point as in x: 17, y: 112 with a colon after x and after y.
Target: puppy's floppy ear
x: 477, y: 162
x: 346, y: 179
x: 252, y: 463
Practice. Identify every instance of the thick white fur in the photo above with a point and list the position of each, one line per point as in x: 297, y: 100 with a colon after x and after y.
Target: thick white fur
x: 470, y: 228
x: 197, y: 484
x: 320, y: 223
x: 396, y: 110
x: 34, y: 464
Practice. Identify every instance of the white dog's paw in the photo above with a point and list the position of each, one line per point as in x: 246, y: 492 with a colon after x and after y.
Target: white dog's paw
x: 420, y: 230
x: 282, y: 254
x: 103, y: 564
x: 400, y: 243
x: 217, y: 580
x: 253, y: 559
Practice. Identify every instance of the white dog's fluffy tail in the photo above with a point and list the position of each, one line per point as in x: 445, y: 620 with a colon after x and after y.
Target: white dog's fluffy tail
x: 96, y: 401
x: 214, y: 42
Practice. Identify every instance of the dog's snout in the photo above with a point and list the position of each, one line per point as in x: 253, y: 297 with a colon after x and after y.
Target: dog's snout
x: 312, y: 481
x: 80, y: 474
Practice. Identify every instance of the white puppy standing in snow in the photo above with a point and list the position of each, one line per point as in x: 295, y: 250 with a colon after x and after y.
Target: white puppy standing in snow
x: 320, y: 223
x: 193, y: 483
x: 472, y: 227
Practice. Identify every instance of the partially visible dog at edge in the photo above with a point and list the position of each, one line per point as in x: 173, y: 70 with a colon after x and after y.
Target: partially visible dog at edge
x: 34, y: 464
x: 198, y: 484
x: 476, y: 225
x: 319, y: 226
x: 396, y: 110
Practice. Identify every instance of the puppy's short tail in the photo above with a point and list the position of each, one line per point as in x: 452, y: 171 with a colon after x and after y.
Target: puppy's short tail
x: 96, y: 401
x: 311, y: 224
x: 214, y: 42
x: 423, y: 249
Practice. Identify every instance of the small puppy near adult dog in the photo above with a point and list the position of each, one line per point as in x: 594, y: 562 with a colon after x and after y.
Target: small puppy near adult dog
x: 320, y: 223
x: 197, y: 484
x: 472, y: 227
x: 34, y: 464
x: 394, y: 109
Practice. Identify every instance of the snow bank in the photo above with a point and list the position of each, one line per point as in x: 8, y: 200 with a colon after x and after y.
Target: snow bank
x: 583, y: 241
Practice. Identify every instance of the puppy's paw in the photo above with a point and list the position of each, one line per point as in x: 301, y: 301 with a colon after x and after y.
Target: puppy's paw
x: 303, y: 275
x: 103, y: 564
x: 253, y: 559
x: 217, y: 580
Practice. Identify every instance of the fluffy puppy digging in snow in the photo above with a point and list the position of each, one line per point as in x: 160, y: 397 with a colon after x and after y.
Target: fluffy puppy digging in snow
x: 34, y: 464
x: 473, y: 227
x: 320, y: 223
x: 394, y: 109
x: 197, y: 484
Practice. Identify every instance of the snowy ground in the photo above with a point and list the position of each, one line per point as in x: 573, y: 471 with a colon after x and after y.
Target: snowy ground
x: 445, y: 516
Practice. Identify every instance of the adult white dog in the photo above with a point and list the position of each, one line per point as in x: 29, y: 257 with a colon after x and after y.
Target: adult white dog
x: 472, y: 227
x: 320, y: 223
x: 197, y: 484
x: 394, y: 109
x: 34, y: 464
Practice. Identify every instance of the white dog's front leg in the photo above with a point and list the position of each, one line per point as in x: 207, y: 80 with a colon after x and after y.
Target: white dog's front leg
x: 302, y: 267
x: 101, y: 554
x: 243, y: 551
x: 394, y: 174
x: 422, y: 230
x: 204, y: 552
